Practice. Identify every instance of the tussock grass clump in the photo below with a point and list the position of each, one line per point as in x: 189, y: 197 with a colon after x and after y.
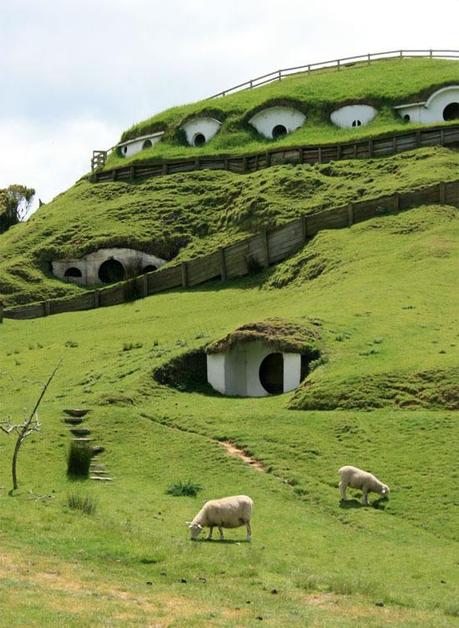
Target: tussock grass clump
x: 184, y: 489
x: 78, y: 460
x: 83, y: 503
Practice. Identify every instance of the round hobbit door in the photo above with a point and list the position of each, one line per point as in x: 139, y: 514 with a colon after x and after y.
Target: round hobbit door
x: 199, y: 139
x: 272, y: 373
x: 279, y: 131
x: 111, y: 271
x: 451, y: 111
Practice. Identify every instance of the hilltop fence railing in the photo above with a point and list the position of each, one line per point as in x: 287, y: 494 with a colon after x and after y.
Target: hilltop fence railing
x: 261, y: 250
x: 378, y: 146
x: 100, y: 156
x: 338, y: 64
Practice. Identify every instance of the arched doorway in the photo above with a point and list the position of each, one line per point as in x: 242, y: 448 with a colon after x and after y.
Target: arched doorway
x: 111, y: 271
x: 73, y: 272
x: 147, y: 144
x: 451, y: 111
x: 279, y: 131
x: 199, y: 139
x: 149, y: 268
x: 272, y: 373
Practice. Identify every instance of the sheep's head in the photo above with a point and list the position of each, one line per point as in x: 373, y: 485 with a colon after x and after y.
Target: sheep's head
x: 195, y: 529
x: 385, y: 490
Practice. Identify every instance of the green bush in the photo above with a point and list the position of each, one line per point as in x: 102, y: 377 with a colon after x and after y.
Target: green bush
x: 84, y: 504
x: 184, y: 489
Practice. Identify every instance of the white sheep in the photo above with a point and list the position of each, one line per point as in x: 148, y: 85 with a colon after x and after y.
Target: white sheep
x: 228, y: 512
x: 356, y: 478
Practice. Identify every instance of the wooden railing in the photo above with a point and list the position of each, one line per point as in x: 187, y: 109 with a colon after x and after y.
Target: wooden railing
x: 261, y: 250
x: 278, y: 75
x: 375, y: 147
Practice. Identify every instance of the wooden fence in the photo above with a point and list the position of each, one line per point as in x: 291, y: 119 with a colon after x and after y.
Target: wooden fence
x: 338, y: 64
x: 361, y: 149
x: 237, y: 260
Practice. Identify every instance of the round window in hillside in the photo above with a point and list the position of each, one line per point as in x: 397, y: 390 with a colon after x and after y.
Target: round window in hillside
x: 272, y: 373
x: 279, y: 131
x: 147, y: 144
x: 199, y: 139
x: 111, y: 271
x: 124, y: 149
x: 406, y: 117
x: 149, y: 268
x: 73, y: 272
x: 451, y: 111
x: 357, y: 123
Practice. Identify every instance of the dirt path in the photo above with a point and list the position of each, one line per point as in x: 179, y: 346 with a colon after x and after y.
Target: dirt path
x: 236, y: 452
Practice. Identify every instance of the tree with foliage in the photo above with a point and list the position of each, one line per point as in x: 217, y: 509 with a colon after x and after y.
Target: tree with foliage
x: 15, y: 201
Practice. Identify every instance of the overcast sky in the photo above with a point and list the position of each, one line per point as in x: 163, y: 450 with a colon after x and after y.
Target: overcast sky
x: 76, y: 73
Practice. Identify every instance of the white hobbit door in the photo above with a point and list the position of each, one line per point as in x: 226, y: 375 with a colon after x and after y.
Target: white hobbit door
x: 352, y: 116
x: 200, y: 130
x: 276, y: 122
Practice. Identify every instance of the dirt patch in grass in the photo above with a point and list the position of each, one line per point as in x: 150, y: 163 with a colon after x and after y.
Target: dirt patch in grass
x: 236, y: 452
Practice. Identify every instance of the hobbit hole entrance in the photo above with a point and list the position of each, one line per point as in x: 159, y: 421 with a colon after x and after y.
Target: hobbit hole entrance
x: 279, y: 131
x: 406, y: 117
x: 451, y: 111
x: 199, y: 139
x: 147, y: 144
x: 73, y: 272
x: 111, y: 271
x: 271, y: 373
x: 356, y: 123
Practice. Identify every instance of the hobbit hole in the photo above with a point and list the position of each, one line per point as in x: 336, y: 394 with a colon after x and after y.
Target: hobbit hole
x: 271, y: 373
x: 111, y: 271
x: 73, y: 272
x: 451, y: 111
x: 199, y: 140
x: 279, y: 131
x: 147, y: 144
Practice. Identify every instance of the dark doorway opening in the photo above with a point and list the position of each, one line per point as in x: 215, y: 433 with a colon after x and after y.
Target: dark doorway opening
x: 73, y: 272
x: 147, y: 144
x: 111, y: 271
x: 279, y: 131
x: 272, y: 373
x: 451, y: 111
x: 357, y: 123
x: 199, y: 139
x: 406, y: 117
x: 150, y: 268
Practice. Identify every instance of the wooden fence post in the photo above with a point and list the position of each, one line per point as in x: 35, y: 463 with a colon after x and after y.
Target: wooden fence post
x: 265, y: 244
x: 370, y: 148
x: 96, y: 301
x: 184, y: 274
x: 442, y: 192
x: 144, y: 285
x: 221, y: 253
x: 304, y: 228
x: 319, y: 155
x: 350, y: 214
x: 397, y: 201
x: 1, y: 312
x: 132, y: 173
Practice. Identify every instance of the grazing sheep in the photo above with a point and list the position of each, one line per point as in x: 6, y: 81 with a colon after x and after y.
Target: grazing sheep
x: 356, y: 478
x: 228, y: 512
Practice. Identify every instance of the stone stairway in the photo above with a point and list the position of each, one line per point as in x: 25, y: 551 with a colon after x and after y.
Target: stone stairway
x: 74, y: 419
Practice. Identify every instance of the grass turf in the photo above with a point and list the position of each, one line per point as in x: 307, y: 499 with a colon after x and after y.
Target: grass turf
x: 393, y: 282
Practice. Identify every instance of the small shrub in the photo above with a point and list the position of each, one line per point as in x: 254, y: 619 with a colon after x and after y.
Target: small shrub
x: 129, y: 346
x: 84, y: 504
x: 79, y: 459
x: 314, y: 364
x: 184, y: 489
x: 71, y: 344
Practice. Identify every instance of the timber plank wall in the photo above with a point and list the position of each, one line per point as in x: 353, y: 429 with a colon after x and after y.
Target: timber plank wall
x: 237, y: 260
x: 377, y: 146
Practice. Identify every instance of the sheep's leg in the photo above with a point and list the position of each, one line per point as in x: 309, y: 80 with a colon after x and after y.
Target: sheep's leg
x: 365, y: 496
x: 342, y: 489
x: 249, y: 531
x: 209, y: 536
x: 221, y: 533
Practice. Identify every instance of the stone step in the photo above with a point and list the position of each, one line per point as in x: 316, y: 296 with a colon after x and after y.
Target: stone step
x: 76, y: 412
x: 80, y: 431
x: 97, y: 449
x: 73, y: 420
x: 100, y: 478
x: 82, y: 439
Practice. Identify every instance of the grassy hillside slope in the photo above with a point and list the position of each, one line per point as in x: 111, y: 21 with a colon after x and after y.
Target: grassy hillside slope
x: 386, y: 300
x: 382, y: 84
x: 194, y: 213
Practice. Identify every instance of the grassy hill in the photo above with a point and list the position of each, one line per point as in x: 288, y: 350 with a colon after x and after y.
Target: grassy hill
x: 190, y: 214
x: 382, y: 84
x: 386, y: 300
x: 383, y: 395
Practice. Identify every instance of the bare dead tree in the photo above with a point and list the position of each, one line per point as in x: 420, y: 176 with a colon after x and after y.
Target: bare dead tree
x: 28, y: 427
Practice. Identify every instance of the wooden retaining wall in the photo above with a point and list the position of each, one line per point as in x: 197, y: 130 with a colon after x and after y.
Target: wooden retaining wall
x: 360, y: 149
x: 237, y: 260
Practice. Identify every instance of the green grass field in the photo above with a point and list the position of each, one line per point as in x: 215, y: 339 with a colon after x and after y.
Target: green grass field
x: 385, y: 293
x: 383, y: 84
